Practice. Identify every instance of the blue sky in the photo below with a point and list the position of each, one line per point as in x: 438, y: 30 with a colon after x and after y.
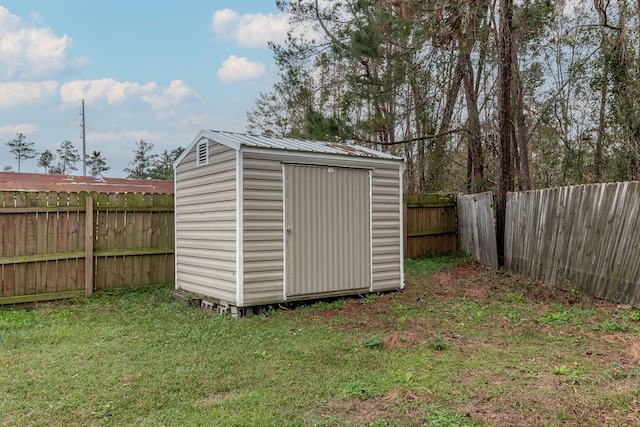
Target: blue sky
x: 158, y: 71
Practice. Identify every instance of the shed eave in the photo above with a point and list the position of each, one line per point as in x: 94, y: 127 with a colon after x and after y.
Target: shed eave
x: 324, y: 156
x: 288, y: 146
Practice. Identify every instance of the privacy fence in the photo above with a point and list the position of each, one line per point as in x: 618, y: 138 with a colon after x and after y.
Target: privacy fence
x: 476, y: 231
x: 56, y: 245
x: 582, y: 237
x: 429, y: 224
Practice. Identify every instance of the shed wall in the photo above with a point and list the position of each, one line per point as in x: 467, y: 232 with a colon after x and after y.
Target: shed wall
x: 263, y: 222
x: 386, y: 202
x: 263, y: 216
x: 205, y: 203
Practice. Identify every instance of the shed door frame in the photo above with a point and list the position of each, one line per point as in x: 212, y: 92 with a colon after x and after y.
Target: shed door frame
x: 287, y: 291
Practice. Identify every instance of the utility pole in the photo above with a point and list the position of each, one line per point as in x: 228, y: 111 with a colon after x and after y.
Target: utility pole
x: 84, y: 143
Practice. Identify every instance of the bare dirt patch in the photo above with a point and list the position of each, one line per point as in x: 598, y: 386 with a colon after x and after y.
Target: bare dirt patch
x: 393, y: 405
x: 546, y: 388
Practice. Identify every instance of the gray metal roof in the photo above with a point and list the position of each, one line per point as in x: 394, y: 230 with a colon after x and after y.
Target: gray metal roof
x: 292, y: 144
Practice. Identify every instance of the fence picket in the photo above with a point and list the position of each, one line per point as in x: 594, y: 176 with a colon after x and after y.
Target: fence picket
x: 430, y: 224
x: 477, y: 236
x: 589, y: 239
x: 19, y: 245
x: 126, y: 227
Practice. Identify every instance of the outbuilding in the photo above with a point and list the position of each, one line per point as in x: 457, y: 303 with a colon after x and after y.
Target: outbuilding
x: 264, y: 220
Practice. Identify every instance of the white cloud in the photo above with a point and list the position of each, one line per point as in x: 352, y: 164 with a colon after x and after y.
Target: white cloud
x: 26, y: 93
x: 236, y: 68
x: 28, y: 52
x: 108, y: 90
x: 24, y: 128
x: 249, y: 29
x: 114, y: 92
x: 225, y: 22
x: 177, y: 92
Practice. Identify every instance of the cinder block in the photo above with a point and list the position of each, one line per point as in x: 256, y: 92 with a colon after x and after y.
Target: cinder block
x: 207, y: 305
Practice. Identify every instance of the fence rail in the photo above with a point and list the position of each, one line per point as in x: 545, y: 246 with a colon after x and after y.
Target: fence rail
x: 56, y: 245
x: 429, y: 223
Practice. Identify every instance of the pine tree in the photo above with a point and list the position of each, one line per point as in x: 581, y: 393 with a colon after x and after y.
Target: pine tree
x: 68, y: 157
x: 46, y: 160
x: 142, y: 161
x: 97, y: 164
x: 163, y: 167
x: 21, y: 149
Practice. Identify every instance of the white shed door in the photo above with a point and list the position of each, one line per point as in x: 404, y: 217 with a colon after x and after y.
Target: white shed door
x: 327, y: 230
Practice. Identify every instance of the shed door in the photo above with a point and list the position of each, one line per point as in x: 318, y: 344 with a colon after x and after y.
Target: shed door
x: 327, y: 230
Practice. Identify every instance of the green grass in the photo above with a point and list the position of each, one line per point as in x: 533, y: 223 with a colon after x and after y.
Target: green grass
x: 408, y: 358
x: 424, y: 266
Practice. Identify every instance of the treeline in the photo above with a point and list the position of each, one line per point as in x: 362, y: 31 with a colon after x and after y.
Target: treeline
x: 145, y: 164
x: 475, y: 95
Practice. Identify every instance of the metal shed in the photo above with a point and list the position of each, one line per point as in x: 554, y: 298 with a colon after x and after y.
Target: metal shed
x: 263, y: 220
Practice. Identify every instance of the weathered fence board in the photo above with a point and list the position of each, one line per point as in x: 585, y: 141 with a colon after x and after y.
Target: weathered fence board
x: 430, y: 224
x: 58, y: 245
x: 476, y: 231
x: 582, y: 237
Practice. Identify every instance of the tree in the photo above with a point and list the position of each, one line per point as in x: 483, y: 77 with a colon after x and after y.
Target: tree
x: 21, y: 149
x: 163, y: 166
x: 429, y: 81
x: 281, y: 112
x: 622, y: 65
x: 372, y: 73
x: 45, y: 160
x: 7, y: 169
x: 142, y: 161
x: 505, y: 122
x: 68, y: 157
x: 97, y: 164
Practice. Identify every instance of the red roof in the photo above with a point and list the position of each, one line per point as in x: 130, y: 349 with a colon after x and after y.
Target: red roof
x: 18, y: 181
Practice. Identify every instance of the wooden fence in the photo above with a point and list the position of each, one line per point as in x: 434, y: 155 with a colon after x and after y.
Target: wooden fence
x: 476, y: 230
x: 429, y: 224
x: 56, y: 245
x: 583, y: 237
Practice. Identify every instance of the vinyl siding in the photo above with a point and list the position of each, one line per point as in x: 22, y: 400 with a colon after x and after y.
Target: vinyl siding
x: 262, y: 215
x: 387, y: 228
x: 206, y: 224
x: 263, y: 223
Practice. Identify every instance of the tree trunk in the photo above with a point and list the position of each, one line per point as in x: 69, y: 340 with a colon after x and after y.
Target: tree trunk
x: 524, y: 171
x: 505, y: 66
x: 473, y: 124
x: 597, y: 153
x: 439, y: 143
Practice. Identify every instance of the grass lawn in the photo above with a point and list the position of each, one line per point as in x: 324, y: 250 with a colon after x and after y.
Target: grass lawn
x: 461, y: 346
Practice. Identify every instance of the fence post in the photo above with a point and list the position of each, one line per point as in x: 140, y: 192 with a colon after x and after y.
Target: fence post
x: 405, y: 214
x: 88, y: 244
